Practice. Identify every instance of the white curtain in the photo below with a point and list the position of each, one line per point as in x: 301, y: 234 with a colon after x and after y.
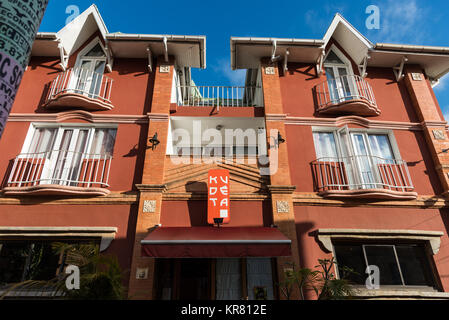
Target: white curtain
x: 380, y: 146
x: 228, y: 279
x: 325, y: 146
x: 103, y: 141
x: 43, y: 140
x: 259, y: 274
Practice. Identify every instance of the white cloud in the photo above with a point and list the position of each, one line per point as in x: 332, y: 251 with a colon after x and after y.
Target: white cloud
x: 442, y: 84
x: 401, y: 20
x: 235, y: 77
x: 318, y: 20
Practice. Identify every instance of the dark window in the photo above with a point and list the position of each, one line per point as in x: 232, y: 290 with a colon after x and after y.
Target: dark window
x: 399, y: 264
x: 28, y: 260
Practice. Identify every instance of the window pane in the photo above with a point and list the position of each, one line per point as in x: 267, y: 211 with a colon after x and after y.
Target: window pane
x: 96, y: 51
x: 333, y: 58
x: 103, y: 142
x: 13, y: 257
x: 383, y: 257
x: 43, y: 140
x: 380, y: 146
x: 325, y: 146
x: 351, y: 256
x: 260, y: 278
x: 228, y: 279
x: 43, y: 262
x: 414, y: 265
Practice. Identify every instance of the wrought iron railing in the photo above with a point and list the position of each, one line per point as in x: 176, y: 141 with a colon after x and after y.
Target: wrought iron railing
x: 81, y: 81
x: 60, y: 167
x: 361, y: 172
x: 220, y: 96
x: 342, y: 89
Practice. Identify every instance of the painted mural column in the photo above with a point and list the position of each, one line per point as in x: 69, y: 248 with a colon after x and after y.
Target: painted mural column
x: 19, y: 23
x: 151, y: 190
x: 281, y: 190
x: 426, y: 108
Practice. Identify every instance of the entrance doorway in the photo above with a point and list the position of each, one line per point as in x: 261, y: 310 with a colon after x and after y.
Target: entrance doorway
x: 215, y: 279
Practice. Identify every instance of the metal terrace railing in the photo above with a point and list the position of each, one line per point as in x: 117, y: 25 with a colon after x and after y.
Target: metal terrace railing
x: 60, y: 167
x: 343, y: 89
x: 220, y: 96
x: 361, y: 172
x: 93, y: 85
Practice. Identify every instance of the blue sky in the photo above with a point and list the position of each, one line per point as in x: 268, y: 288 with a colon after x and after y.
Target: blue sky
x: 417, y: 22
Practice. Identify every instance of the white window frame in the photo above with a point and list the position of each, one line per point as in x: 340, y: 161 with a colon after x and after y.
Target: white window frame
x: 365, y: 132
x: 79, y: 59
x: 389, y: 132
x: 350, y: 73
x: 49, y: 168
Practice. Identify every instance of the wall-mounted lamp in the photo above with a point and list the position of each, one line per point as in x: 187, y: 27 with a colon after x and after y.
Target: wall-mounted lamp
x: 278, y: 140
x: 218, y: 221
x: 154, y: 141
x: 445, y: 150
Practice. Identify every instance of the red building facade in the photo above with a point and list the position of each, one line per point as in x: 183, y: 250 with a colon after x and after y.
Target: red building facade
x: 335, y: 148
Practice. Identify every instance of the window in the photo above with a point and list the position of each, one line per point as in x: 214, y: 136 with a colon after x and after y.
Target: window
x: 22, y: 260
x: 88, y: 74
x: 360, y: 159
x: 339, y: 76
x: 402, y: 264
x: 65, y: 155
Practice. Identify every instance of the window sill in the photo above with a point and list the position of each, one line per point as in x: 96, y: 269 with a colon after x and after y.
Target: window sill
x: 70, y: 100
x: 377, y: 194
x: 401, y: 293
x: 54, y: 189
x: 358, y: 107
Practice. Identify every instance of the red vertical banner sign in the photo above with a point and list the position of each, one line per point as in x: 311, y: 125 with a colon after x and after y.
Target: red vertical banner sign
x: 218, y: 199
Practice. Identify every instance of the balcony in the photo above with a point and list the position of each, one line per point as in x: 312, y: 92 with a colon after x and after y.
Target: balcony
x: 219, y: 96
x: 80, y: 88
x: 362, y: 176
x: 59, y: 172
x: 348, y: 94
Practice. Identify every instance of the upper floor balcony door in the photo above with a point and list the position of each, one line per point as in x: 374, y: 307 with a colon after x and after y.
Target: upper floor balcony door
x: 339, y: 78
x: 88, y: 74
x: 63, y: 159
x: 65, y: 152
x: 85, y: 85
x: 343, y: 92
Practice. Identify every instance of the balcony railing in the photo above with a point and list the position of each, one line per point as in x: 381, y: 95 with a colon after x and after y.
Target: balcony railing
x: 361, y: 172
x: 216, y: 151
x: 60, y: 168
x: 220, y: 96
x: 79, y: 81
x: 350, y: 93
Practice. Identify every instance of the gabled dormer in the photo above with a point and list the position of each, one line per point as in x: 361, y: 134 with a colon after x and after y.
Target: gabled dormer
x: 85, y: 58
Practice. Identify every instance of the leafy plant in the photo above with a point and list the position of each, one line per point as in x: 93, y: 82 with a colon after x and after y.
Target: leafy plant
x: 322, y: 281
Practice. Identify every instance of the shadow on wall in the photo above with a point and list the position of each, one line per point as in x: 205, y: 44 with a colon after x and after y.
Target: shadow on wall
x: 197, y: 208
x: 138, y: 150
x: 303, y: 233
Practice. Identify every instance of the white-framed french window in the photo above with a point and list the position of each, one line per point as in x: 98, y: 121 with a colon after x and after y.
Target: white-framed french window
x: 59, y: 153
x: 87, y: 74
x: 340, y: 76
x: 361, y: 151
